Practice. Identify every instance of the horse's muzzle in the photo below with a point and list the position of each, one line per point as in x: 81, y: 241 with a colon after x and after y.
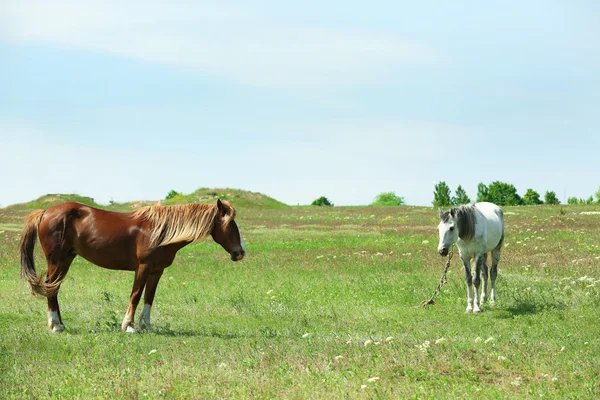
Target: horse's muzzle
x: 237, y: 255
x: 443, y: 251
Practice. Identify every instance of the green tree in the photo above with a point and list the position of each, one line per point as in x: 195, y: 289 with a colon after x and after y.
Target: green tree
x: 575, y: 200
x: 532, y: 198
x: 482, y: 192
x: 388, y: 199
x: 172, y: 194
x: 504, y: 194
x: 322, y: 201
x: 597, y: 196
x: 441, y: 195
x: 590, y: 200
x: 460, y: 197
x: 550, y: 198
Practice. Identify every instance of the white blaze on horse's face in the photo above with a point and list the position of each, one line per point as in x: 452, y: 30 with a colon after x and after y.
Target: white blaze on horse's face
x: 448, y: 235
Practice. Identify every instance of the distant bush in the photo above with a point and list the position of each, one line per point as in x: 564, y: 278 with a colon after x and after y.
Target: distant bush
x: 550, y: 198
x: 504, y: 194
x: 531, y: 198
x: 388, y: 199
x: 172, y: 194
x: 575, y: 200
x: 483, y: 192
x: 322, y: 201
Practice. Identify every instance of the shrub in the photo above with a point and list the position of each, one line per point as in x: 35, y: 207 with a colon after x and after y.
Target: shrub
x: 388, y: 199
x: 322, y: 201
x: 172, y: 194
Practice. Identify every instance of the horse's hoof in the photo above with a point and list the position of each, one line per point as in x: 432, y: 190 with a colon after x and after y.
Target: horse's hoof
x: 130, y: 329
x: 469, y: 310
x: 476, y: 310
x: 58, y: 328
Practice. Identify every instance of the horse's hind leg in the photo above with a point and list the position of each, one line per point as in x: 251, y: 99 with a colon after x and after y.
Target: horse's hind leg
x: 494, y: 272
x: 149, y: 292
x: 56, y: 272
x: 484, y: 278
x: 141, y: 277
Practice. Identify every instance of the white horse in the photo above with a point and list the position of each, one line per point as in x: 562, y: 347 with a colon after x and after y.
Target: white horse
x: 477, y: 229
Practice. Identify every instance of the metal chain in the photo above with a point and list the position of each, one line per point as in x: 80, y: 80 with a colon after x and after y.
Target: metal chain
x: 441, y: 283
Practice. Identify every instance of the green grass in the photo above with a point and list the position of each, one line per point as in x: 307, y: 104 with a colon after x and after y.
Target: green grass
x: 326, y: 302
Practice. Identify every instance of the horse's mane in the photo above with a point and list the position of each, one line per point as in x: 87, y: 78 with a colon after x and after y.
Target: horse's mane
x: 181, y: 223
x: 465, y: 220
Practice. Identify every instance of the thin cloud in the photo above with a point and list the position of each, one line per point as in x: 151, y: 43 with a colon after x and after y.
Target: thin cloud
x: 234, y: 43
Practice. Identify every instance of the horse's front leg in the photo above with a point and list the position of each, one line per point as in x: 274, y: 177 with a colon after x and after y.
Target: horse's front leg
x: 141, y: 276
x: 469, y: 279
x: 479, y: 262
x: 149, y: 292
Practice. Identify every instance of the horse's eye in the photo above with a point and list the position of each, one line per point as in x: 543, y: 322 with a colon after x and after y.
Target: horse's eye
x: 451, y: 228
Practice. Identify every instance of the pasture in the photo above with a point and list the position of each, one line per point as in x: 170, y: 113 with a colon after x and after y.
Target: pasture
x: 325, y: 305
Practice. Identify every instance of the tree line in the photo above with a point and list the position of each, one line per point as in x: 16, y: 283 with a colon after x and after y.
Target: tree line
x: 503, y: 194
x: 500, y: 193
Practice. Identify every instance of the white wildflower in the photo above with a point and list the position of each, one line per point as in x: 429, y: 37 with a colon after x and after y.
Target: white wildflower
x: 152, y: 351
x: 373, y: 379
x: 440, y: 340
x: 478, y: 339
x: 307, y: 334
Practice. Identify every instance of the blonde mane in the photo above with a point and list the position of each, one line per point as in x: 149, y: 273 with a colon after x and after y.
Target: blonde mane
x: 180, y: 223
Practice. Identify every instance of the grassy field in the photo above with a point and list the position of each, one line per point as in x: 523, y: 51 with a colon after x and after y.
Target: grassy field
x: 325, y: 305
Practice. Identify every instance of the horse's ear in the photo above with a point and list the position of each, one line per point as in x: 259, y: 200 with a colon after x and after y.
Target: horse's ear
x: 441, y: 213
x: 452, y: 213
x: 221, y: 207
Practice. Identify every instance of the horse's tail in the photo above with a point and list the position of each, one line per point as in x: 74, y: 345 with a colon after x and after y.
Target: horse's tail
x: 26, y: 245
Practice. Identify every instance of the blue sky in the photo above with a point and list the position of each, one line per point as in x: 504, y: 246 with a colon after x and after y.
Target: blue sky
x: 128, y: 100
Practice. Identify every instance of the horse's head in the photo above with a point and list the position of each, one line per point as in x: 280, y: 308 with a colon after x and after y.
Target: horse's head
x: 226, y: 232
x: 448, y: 230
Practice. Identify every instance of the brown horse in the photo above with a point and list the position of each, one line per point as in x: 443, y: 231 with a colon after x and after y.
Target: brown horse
x: 145, y: 241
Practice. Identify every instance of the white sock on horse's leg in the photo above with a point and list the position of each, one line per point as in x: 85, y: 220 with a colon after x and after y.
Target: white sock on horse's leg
x: 54, y: 322
x: 469, y: 297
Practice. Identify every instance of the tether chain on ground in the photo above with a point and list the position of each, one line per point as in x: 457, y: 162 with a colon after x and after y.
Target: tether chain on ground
x: 441, y: 283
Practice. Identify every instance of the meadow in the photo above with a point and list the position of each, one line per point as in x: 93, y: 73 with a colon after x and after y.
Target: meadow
x: 325, y: 305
